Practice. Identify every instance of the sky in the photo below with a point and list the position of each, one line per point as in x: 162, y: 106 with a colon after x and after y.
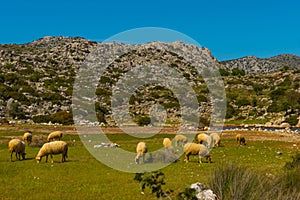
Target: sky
x: 230, y: 29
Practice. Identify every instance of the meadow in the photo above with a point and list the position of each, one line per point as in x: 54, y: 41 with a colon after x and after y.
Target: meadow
x: 84, y: 177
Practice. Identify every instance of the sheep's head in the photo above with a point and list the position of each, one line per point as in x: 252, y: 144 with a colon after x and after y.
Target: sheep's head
x: 38, y: 159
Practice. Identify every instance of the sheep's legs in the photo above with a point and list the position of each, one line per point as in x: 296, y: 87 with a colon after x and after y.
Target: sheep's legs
x: 186, y: 158
x: 63, y: 159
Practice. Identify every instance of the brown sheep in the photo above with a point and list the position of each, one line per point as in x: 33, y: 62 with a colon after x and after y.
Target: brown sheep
x: 240, y: 139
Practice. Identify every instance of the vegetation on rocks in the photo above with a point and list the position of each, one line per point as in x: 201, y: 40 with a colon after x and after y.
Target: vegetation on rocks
x: 37, y: 78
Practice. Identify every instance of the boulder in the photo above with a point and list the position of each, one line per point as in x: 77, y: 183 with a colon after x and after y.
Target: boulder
x: 202, y: 193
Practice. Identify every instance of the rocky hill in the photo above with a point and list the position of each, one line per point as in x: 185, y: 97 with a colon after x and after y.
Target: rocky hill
x: 254, y: 65
x: 37, y: 78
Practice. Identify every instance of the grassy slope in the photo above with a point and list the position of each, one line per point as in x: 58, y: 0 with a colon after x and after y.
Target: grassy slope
x: 83, y: 177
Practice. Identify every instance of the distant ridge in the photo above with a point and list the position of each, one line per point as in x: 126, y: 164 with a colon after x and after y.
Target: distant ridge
x: 254, y: 65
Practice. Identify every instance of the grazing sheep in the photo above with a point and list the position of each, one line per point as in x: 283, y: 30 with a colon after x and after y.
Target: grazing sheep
x: 54, y: 135
x: 18, y: 146
x: 196, y: 149
x: 240, y: 139
x: 180, y: 140
x: 27, y: 137
x: 216, y: 139
x: 169, y: 155
x: 141, y: 150
x: 167, y: 142
x: 205, y: 139
x: 56, y: 147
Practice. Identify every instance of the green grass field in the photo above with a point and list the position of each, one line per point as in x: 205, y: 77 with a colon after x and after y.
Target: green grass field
x: 84, y: 177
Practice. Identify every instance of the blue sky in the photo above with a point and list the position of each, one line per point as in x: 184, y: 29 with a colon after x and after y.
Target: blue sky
x: 230, y: 29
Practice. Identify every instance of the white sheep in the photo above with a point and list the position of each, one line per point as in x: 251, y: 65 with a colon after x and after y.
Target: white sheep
x: 169, y: 150
x: 141, y: 150
x: 240, y: 139
x: 54, y: 135
x: 196, y: 149
x: 216, y: 139
x: 167, y: 142
x: 50, y: 148
x: 180, y: 140
x: 27, y: 137
x: 205, y: 139
x: 168, y: 145
x: 18, y: 146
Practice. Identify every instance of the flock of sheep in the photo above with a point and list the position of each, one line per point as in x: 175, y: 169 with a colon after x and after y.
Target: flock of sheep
x: 49, y: 148
x: 54, y: 146
x: 202, y: 148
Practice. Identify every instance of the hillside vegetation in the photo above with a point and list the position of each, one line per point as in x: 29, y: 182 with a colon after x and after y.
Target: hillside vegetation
x: 37, y: 78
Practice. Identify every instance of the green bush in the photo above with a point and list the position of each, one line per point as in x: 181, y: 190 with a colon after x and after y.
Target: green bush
x: 292, y: 120
x: 238, y: 72
x: 143, y: 120
x: 230, y: 112
x: 201, y: 98
x: 277, y: 93
x: 243, y: 101
x: 154, y: 181
x: 15, y: 111
x: 224, y: 72
x: 279, y: 106
x: 61, y: 117
x: 55, y: 98
x: 35, y: 77
x: 258, y: 88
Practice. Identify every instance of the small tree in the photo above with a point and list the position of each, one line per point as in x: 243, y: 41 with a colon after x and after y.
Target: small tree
x: 154, y: 181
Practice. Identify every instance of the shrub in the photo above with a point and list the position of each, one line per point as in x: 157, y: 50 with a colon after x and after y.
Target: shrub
x: 35, y: 77
x: 235, y: 182
x: 143, y: 120
x: 274, y: 108
x: 55, y: 98
x: 232, y: 181
x: 258, y: 88
x: 224, y: 72
x: 230, y: 112
x: 275, y: 94
x: 238, y: 72
x: 243, y: 101
x: 201, y: 98
x: 292, y: 120
x: 61, y: 117
x: 153, y: 180
x: 15, y: 111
